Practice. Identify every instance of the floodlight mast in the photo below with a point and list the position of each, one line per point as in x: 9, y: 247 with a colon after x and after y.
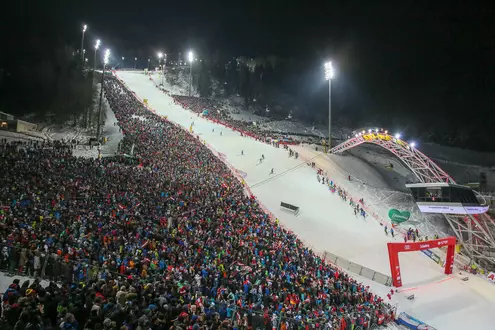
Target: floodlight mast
x: 191, y: 59
x: 329, y: 75
x: 85, y: 27
x: 97, y: 45
x: 98, y: 124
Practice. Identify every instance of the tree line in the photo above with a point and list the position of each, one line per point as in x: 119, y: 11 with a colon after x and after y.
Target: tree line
x: 48, y: 81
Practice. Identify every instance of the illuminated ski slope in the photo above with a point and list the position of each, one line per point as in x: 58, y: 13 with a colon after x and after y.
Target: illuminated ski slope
x: 327, y: 223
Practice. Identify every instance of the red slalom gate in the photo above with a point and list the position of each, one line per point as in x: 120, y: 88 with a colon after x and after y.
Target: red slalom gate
x: 395, y: 248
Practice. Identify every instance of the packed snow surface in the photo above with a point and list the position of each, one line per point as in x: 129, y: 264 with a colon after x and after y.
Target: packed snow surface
x: 326, y: 223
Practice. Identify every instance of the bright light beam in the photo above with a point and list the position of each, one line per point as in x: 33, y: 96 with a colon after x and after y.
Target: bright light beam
x: 107, y: 55
x: 329, y: 72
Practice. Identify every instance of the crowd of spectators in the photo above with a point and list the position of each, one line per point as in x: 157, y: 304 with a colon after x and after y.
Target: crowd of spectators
x: 214, y: 110
x: 170, y: 242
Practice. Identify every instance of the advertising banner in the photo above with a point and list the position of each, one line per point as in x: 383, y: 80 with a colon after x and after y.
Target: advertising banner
x: 452, y: 209
x: 394, y: 248
x: 398, y: 216
x: 412, y: 322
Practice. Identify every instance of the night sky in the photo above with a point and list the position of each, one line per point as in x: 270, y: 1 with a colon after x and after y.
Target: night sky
x: 429, y: 60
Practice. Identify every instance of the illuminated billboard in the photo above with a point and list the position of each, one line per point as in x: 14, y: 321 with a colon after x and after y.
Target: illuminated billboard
x: 451, y: 208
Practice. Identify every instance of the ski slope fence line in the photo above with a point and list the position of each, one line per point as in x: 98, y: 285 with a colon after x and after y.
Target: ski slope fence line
x: 358, y: 269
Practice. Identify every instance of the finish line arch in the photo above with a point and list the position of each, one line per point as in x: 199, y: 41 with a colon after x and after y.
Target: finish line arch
x: 395, y: 248
x: 423, y: 167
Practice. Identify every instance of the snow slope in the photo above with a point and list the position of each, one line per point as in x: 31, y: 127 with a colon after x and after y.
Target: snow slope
x: 327, y: 223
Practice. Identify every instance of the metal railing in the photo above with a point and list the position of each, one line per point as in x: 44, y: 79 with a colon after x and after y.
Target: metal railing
x: 358, y: 269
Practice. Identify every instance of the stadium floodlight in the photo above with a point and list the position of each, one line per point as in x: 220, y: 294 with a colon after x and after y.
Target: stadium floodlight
x: 85, y: 27
x: 412, y: 144
x: 190, y: 56
x: 97, y: 45
x: 329, y: 75
x: 98, y: 124
x: 329, y: 72
x: 397, y: 135
x: 106, y: 56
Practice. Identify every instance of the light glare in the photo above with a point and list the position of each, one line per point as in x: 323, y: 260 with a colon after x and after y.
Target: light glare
x: 397, y: 135
x: 191, y: 56
x: 107, y: 55
x: 329, y: 72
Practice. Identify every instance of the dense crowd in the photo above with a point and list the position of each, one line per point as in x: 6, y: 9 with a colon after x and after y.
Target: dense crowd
x: 170, y: 242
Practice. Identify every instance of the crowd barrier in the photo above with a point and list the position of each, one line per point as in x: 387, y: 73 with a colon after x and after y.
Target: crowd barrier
x: 358, y: 269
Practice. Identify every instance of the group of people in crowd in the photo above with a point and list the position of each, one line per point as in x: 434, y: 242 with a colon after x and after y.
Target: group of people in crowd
x: 214, y: 110
x: 172, y: 241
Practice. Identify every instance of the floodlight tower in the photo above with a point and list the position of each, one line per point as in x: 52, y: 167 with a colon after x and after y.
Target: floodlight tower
x: 105, y: 62
x: 97, y: 45
x: 191, y: 59
x: 329, y: 75
x: 85, y: 27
